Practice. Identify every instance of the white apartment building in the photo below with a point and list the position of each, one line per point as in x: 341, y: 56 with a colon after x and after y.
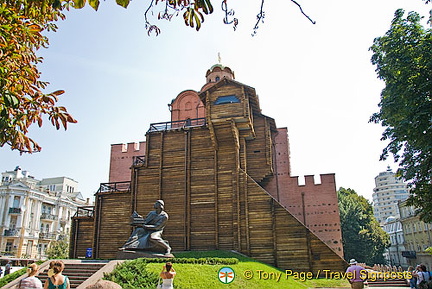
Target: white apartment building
x: 34, y: 212
x: 394, y: 253
x: 388, y: 191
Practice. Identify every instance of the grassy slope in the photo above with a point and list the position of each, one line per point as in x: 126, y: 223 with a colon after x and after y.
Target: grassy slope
x: 205, y: 276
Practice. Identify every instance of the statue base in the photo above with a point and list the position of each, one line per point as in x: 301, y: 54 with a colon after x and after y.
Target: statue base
x: 129, y: 254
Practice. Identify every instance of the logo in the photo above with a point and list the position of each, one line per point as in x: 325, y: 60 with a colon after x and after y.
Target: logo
x: 226, y: 275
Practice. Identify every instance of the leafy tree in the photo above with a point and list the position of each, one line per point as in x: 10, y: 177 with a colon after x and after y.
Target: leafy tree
x: 362, y: 236
x: 58, y: 250
x: 22, y: 100
x: 403, y: 59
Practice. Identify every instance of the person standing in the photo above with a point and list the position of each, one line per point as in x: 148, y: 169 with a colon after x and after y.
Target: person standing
x: 413, y: 279
x: 167, y: 276
x: 358, y: 275
x: 56, y: 279
x: 8, y: 268
x: 422, y: 277
x: 31, y: 281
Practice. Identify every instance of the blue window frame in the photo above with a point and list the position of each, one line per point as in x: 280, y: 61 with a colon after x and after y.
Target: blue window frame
x: 227, y: 99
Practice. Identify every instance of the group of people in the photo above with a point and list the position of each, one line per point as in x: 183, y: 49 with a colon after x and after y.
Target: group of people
x: 422, y: 278
x: 55, y: 280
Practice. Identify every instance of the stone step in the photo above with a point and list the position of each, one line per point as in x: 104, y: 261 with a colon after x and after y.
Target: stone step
x: 77, y: 273
x: 400, y: 283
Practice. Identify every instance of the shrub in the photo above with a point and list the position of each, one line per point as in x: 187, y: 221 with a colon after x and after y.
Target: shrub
x: 12, y: 276
x: 133, y: 275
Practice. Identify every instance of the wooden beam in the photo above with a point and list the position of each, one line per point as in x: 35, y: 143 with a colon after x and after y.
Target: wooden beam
x: 188, y: 189
x: 275, y: 248
x: 216, y: 188
x: 161, y: 164
x: 245, y: 181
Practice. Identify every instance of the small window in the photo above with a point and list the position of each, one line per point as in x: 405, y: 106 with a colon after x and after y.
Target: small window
x: 188, y: 106
x: 227, y: 99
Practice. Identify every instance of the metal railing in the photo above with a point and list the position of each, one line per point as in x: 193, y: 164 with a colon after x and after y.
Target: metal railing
x: 114, y: 187
x: 87, y: 211
x: 48, y: 216
x: 138, y: 160
x: 164, y: 126
x: 10, y: 232
x: 44, y: 235
x: 13, y: 210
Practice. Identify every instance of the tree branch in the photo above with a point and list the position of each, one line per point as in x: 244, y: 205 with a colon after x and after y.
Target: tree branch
x: 301, y: 10
x: 260, y: 18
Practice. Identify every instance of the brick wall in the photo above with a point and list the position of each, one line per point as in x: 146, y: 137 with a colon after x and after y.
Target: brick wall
x: 121, y: 160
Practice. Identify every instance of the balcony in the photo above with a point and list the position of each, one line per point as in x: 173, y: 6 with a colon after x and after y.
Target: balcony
x: 187, y: 123
x: 114, y: 187
x: 15, y: 210
x: 86, y: 212
x: 47, y: 236
x: 11, y: 233
x: 48, y: 217
x: 409, y: 254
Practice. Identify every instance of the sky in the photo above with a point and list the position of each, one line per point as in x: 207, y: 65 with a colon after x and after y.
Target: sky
x: 316, y: 80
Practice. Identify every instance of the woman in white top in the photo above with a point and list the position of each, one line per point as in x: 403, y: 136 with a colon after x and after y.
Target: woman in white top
x: 422, y: 275
x: 31, y: 282
x: 167, y: 276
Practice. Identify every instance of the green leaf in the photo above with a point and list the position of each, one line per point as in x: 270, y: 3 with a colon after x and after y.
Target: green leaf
x: 11, y: 100
x: 78, y: 4
x: 94, y: 4
x: 123, y: 3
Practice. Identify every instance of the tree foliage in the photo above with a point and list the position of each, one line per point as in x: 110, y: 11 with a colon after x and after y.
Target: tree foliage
x: 362, y: 236
x: 194, y: 11
x: 58, y: 250
x: 403, y: 59
x: 22, y: 100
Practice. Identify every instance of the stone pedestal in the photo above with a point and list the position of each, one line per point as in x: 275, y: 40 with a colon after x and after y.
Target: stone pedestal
x: 127, y: 255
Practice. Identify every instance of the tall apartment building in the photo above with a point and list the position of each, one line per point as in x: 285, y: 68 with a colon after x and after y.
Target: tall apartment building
x: 388, y: 191
x: 34, y: 212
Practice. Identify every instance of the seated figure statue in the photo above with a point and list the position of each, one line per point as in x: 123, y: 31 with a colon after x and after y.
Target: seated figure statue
x: 147, y: 235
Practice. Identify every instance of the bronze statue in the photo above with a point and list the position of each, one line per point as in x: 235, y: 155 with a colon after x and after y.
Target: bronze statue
x: 147, y: 235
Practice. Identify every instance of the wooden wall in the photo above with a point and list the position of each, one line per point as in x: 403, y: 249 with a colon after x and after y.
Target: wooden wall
x: 112, y: 218
x: 278, y: 238
x: 214, y: 204
x: 230, y: 110
x: 260, y: 151
x: 82, y: 232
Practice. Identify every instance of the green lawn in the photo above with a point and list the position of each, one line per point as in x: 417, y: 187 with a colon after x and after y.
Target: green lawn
x: 248, y: 274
